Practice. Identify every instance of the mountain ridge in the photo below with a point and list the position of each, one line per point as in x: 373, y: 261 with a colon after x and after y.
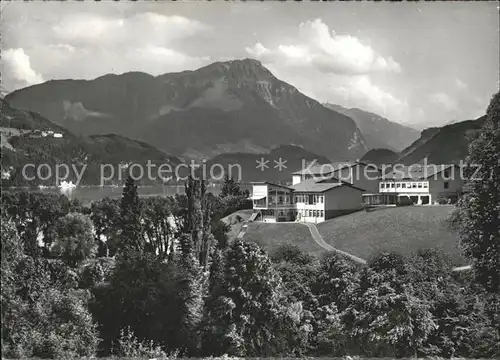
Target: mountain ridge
x: 239, y: 103
x: 378, y: 131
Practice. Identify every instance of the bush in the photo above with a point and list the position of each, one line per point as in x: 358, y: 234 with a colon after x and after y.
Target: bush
x: 128, y: 345
x: 451, y: 200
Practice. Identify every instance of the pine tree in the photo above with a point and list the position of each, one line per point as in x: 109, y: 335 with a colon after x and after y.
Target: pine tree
x: 479, y: 215
x: 131, y: 235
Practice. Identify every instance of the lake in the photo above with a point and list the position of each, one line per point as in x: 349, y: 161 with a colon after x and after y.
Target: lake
x: 88, y: 194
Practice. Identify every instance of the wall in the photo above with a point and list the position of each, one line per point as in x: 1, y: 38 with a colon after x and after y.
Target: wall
x: 437, y: 190
x: 258, y: 191
x: 342, y: 199
x: 304, y: 208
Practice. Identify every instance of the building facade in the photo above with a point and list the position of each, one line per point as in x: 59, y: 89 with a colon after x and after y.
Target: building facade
x: 420, y: 185
x: 314, y: 200
x: 273, y: 202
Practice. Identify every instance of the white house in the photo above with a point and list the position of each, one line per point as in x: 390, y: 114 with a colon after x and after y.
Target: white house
x: 422, y: 185
x: 320, y: 200
x: 313, y: 200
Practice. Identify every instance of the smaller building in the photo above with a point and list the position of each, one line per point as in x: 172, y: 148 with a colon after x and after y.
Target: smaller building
x: 418, y: 184
x: 320, y: 200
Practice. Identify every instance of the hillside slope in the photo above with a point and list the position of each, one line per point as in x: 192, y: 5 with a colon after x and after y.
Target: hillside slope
x: 233, y: 106
x: 380, y: 157
x: 96, y: 152
x: 399, y: 229
x: 448, y: 144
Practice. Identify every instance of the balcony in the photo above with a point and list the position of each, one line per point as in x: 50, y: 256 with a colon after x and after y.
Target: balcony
x: 269, y: 203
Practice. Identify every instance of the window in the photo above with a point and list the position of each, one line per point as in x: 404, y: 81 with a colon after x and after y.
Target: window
x: 310, y: 213
x: 426, y: 185
x: 420, y: 185
x: 321, y: 199
x: 398, y: 185
x: 296, y: 198
x: 403, y: 185
x: 414, y: 185
x: 280, y: 199
x: 382, y: 185
x: 392, y: 185
x: 446, y: 185
x: 311, y: 200
x: 321, y: 213
x: 315, y: 213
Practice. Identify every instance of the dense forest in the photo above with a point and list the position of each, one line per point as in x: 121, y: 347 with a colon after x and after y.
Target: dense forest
x: 157, y: 277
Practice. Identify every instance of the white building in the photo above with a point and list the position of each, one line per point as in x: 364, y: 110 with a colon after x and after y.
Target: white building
x: 314, y: 200
x: 421, y: 185
x: 320, y: 200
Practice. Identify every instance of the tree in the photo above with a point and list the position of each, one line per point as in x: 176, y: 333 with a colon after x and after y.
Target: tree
x: 386, y: 319
x: 158, y: 226
x: 105, y: 215
x: 247, y: 317
x: 478, y: 220
x: 130, y: 215
x: 231, y: 188
x: 74, y: 239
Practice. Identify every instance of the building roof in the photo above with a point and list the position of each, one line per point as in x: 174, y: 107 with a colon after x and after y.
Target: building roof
x: 270, y: 183
x: 314, y: 185
x: 416, y: 172
x: 325, y: 169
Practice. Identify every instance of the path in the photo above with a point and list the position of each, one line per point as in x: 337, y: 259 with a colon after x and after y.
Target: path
x: 318, y: 239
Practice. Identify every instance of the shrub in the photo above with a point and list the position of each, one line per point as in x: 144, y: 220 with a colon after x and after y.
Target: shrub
x: 128, y: 345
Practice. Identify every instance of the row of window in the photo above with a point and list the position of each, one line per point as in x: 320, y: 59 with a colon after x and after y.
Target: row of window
x: 280, y: 200
x: 408, y: 185
x: 313, y: 213
x: 310, y: 199
x: 308, y: 213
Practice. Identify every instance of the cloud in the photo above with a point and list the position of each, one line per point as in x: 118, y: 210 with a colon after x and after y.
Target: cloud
x: 329, y: 53
x: 94, y: 29
x: 444, y: 100
x: 460, y: 84
x: 360, y: 91
x: 87, y: 45
x: 17, y: 68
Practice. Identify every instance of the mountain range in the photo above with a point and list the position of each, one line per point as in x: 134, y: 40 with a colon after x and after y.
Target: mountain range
x: 377, y: 130
x: 232, y: 106
x: 233, y: 112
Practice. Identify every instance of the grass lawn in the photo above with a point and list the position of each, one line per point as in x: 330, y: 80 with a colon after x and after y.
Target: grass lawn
x: 236, y: 224
x: 397, y: 229
x: 272, y: 236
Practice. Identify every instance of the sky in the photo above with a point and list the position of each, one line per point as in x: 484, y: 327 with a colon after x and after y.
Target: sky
x: 422, y: 64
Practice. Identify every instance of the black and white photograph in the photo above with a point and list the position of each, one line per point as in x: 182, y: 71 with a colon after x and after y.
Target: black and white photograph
x: 250, y: 179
